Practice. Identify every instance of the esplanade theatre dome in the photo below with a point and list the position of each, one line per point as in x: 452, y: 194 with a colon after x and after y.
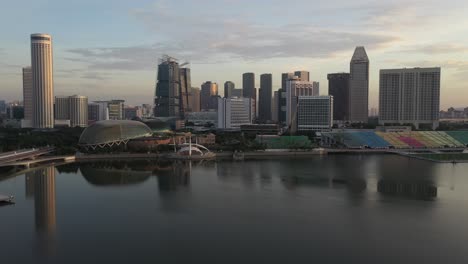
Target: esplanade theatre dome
x: 108, y: 133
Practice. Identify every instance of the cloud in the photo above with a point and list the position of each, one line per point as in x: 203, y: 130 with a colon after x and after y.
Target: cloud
x: 204, y: 39
x: 441, y: 48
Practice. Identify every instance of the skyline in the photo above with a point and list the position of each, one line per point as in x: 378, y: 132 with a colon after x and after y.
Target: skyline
x: 115, y: 49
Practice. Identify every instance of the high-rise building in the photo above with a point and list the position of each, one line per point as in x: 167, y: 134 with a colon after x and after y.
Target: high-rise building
x: 274, y: 106
x: 359, y: 86
x: 302, y: 76
x: 62, y: 108
x: 28, y: 94
x: 98, y: 111
x: 185, y: 89
x: 338, y: 87
x: 73, y: 108
x: 78, y: 111
x: 195, y: 99
x: 295, y: 88
x: 132, y: 112
x: 43, y: 82
x: 234, y: 112
x: 315, y: 113
x: 264, y: 97
x: 285, y: 77
x: 3, y: 106
x: 147, y: 110
x: 228, y: 89
x: 316, y: 89
x: 116, y: 109
x: 409, y: 96
x: 248, y: 85
x: 237, y: 93
x: 248, y: 88
x: 209, y: 96
x: 167, y: 100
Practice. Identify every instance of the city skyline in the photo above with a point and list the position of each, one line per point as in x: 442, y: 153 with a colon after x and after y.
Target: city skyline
x: 97, y: 61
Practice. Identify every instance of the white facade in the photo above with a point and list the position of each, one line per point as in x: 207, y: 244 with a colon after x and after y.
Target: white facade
x: 315, y: 113
x: 234, y: 112
x: 42, y: 77
x: 409, y: 96
x: 72, y: 108
x: 78, y: 111
x: 295, y: 88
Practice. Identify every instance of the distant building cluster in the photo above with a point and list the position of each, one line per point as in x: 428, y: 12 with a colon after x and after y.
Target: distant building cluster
x: 409, y: 96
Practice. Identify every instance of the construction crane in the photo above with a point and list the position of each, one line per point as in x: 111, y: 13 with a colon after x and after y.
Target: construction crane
x: 183, y: 64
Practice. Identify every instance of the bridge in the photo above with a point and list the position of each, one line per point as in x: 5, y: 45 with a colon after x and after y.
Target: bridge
x: 26, y: 157
x: 24, y: 154
x: 27, y: 163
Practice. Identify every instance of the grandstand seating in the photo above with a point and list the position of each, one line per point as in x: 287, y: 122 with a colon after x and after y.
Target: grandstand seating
x: 411, y: 142
x: 401, y: 140
x: 371, y: 140
x: 460, y: 136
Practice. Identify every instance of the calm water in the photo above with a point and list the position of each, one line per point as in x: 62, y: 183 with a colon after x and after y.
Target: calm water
x: 335, y: 209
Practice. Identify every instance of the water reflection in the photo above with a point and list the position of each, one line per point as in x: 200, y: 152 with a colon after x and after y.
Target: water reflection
x: 406, y: 178
x: 172, y: 175
x: 44, y: 207
x: 113, y: 173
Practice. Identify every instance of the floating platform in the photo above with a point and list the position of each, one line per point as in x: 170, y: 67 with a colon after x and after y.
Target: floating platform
x: 6, y: 199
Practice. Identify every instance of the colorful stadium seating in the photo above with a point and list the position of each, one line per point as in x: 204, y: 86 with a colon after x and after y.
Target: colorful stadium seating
x: 400, y: 140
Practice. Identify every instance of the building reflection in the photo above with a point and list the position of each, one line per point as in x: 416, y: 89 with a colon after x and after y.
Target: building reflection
x: 44, y: 200
x: 172, y: 175
x: 29, y: 184
x: 422, y: 191
x: 44, y: 207
x: 329, y: 172
x: 114, y: 173
x: 406, y: 178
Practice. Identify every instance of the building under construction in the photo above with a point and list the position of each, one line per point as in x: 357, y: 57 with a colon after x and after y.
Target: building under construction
x: 172, y: 89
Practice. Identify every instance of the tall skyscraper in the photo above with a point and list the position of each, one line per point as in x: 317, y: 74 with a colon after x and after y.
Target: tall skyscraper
x: 248, y: 85
x: 285, y: 77
x: 195, y: 99
x: 228, y: 89
x: 274, y: 106
x: 302, y: 76
x: 43, y: 81
x: 338, y: 87
x: 264, y: 100
x: 409, y: 96
x: 185, y: 89
x: 359, y: 87
x: 28, y: 94
x: 248, y: 88
x: 294, y: 89
x: 209, y: 96
x: 78, y: 111
x: 167, y: 100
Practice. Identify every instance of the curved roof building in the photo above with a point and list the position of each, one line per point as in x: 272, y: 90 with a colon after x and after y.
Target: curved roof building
x: 108, y: 133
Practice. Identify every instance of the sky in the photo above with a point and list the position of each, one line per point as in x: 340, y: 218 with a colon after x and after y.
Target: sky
x: 109, y: 49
